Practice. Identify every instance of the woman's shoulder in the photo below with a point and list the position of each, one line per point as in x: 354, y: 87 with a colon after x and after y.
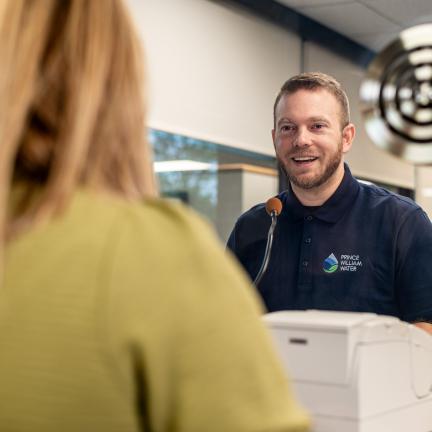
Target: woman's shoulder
x: 151, y: 217
x: 153, y: 226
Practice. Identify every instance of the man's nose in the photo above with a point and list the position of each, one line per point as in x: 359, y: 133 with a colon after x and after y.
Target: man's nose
x: 303, y: 138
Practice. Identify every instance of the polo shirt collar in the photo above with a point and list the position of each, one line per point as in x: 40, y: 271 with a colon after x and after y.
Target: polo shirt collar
x: 331, y: 211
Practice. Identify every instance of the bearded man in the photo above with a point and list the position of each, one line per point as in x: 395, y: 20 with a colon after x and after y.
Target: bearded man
x: 339, y: 244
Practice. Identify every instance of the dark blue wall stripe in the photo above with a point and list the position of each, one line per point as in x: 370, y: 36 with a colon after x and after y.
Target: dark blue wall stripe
x: 308, y: 29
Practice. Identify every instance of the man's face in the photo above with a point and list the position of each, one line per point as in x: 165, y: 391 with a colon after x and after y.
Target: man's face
x: 308, y: 137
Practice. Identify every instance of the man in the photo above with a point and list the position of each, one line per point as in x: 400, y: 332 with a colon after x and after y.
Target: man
x: 339, y: 244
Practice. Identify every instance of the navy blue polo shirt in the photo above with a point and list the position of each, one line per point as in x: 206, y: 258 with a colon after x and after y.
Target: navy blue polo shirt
x: 365, y: 249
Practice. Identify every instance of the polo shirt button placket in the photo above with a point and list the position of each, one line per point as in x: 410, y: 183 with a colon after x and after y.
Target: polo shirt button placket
x: 305, y: 279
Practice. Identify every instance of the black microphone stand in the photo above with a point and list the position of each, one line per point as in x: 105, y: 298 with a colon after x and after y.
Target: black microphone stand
x: 267, y: 252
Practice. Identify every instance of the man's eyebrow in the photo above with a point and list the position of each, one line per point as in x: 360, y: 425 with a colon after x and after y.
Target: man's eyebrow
x: 319, y: 119
x: 284, y: 120
x: 310, y: 119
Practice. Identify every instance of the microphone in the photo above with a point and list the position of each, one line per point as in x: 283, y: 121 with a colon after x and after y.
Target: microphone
x: 274, y: 209
x: 274, y: 206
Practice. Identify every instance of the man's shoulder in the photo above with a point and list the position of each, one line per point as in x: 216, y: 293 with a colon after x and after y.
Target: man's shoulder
x: 257, y: 215
x: 251, y: 227
x: 254, y: 214
x: 381, y: 198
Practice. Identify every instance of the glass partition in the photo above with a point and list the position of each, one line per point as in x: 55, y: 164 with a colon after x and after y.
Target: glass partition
x: 210, y: 177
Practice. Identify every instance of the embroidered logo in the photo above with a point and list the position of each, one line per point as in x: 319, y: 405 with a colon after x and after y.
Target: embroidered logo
x: 350, y: 263
x: 330, y: 264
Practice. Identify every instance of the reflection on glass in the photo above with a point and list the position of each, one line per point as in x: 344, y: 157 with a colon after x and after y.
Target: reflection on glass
x: 188, y: 169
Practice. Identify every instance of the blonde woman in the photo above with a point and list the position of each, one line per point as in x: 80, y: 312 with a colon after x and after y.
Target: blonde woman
x: 118, y: 312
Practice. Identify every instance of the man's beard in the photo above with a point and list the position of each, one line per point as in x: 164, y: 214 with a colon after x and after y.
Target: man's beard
x: 318, y: 179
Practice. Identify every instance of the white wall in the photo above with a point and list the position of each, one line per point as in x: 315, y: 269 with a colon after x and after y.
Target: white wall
x: 239, y: 189
x: 214, y: 71
x: 423, y: 192
x: 365, y: 159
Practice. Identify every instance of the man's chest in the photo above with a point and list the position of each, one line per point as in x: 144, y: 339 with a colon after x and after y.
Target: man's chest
x: 329, y: 267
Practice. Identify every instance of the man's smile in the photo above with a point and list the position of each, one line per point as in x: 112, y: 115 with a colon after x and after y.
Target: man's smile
x: 304, y: 160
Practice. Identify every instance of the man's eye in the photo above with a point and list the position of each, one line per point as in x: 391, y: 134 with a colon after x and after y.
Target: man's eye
x: 287, y: 128
x: 318, y: 126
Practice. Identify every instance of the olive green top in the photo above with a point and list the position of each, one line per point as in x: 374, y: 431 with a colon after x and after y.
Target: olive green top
x: 129, y: 317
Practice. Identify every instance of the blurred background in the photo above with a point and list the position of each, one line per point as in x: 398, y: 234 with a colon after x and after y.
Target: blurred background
x: 214, y: 69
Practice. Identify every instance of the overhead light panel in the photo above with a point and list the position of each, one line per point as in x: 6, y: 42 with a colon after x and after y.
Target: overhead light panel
x: 182, y: 165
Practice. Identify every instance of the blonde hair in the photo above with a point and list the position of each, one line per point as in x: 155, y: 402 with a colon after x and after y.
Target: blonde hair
x: 71, y: 105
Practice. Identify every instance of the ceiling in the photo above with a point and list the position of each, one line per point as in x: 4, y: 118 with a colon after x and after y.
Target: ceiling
x: 372, y: 23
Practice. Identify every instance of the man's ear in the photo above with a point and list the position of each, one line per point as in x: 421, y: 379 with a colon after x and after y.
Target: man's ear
x: 348, y: 135
x: 273, y: 136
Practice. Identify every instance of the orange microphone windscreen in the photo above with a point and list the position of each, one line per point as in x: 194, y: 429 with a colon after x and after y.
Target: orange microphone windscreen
x: 274, y: 205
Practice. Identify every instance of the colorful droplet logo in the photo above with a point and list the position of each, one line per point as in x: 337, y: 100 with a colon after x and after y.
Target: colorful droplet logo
x: 330, y: 264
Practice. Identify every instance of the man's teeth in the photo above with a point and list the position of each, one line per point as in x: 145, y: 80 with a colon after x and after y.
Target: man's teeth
x: 304, y: 159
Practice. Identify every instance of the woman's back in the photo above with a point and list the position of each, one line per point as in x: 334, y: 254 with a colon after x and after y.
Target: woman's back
x: 126, y: 317
x: 114, y: 315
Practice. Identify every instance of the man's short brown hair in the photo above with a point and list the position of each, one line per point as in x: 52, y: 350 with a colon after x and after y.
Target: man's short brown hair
x: 313, y: 81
